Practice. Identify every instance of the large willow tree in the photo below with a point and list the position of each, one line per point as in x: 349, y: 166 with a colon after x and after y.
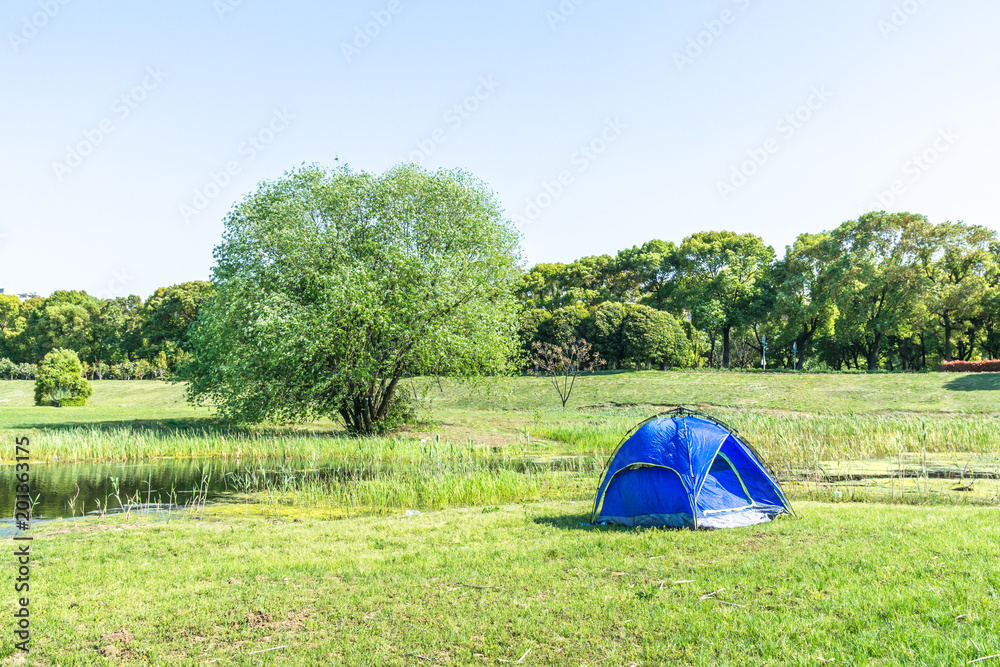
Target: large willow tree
x: 332, y: 285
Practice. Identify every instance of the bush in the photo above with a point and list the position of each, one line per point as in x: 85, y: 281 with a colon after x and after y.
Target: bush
x: 8, y: 369
x: 60, y: 380
x: 984, y: 366
x: 123, y: 371
x: 27, y: 371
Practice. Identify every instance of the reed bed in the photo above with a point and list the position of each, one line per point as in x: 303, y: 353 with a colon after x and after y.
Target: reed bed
x: 792, y: 441
x: 555, y: 455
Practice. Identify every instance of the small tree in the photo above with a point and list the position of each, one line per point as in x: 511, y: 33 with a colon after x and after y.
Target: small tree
x: 562, y: 364
x: 60, y: 380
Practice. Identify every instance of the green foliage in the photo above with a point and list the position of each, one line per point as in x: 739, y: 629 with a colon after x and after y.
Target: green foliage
x: 331, y: 285
x: 169, y: 313
x: 883, y: 292
x: 874, y: 280
x: 722, y: 277
x: 60, y: 380
x: 654, y: 337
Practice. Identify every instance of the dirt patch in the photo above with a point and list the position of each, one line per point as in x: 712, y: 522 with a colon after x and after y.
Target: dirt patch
x: 755, y: 543
x: 117, y: 644
x: 264, y: 620
x: 123, y: 636
x: 257, y: 619
x: 86, y: 530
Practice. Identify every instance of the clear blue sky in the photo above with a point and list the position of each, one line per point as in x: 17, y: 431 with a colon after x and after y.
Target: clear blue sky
x: 162, y: 95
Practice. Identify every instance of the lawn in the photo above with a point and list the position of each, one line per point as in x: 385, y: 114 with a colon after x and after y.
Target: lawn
x: 497, y: 565
x: 854, y: 584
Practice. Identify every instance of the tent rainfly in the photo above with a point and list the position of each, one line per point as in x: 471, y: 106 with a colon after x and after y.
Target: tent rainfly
x: 686, y: 469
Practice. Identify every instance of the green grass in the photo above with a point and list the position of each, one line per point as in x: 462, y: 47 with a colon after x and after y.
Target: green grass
x: 117, y: 401
x: 498, y: 563
x: 112, y: 401
x: 814, y: 393
x: 874, y: 584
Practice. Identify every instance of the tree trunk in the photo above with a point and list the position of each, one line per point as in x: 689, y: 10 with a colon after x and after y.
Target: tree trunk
x: 800, y: 343
x: 973, y: 333
x: 725, y: 347
x: 947, y: 338
x: 873, y: 353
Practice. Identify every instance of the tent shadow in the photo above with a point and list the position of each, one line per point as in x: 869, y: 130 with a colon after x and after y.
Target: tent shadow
x: 975, y: 382
x: 565, y: 521
x: 582, y: 522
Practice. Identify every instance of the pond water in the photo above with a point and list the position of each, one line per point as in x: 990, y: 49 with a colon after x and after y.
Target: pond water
x: 65, y: 490
x: 72, y: 490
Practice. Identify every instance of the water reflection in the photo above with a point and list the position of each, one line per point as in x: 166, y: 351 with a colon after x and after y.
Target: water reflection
x: 64, y: 490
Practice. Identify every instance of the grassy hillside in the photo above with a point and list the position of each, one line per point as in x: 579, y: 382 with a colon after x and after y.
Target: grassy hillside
x: 817, y: 394
x: 112, y: 401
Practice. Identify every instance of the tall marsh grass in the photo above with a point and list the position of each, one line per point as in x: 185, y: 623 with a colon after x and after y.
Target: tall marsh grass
x: 791, y: 441
x: 554, y: 455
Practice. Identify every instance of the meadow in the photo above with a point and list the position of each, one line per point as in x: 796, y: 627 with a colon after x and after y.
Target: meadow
x: 460, y: 538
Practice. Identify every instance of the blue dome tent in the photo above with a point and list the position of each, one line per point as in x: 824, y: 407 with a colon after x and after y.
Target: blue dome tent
x: 686, y: 469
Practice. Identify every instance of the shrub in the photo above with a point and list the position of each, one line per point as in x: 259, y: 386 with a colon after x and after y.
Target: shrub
x: 8, y: 369
x: 123, y: 371
x: 27, y: 371
x: 60, y: 380
x: 984, y: 366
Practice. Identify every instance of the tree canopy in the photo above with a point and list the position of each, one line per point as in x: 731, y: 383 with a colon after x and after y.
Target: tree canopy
x: 331, y: 285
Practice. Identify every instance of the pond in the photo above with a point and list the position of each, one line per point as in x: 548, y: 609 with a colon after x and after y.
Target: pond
x: 66, y: 490
x: 72, y: 490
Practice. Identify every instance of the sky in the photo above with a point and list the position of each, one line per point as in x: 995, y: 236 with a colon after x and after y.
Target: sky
x: 129, y: 129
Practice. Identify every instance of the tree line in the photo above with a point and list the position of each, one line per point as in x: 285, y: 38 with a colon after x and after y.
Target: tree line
x: 121, y: 338
x: 885, y: 291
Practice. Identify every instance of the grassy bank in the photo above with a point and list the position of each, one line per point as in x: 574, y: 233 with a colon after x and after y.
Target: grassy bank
x: 855, y: 584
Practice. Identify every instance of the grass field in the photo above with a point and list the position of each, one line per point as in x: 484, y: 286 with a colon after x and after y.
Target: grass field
x: 858, y: 585
x: 498, y: 564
